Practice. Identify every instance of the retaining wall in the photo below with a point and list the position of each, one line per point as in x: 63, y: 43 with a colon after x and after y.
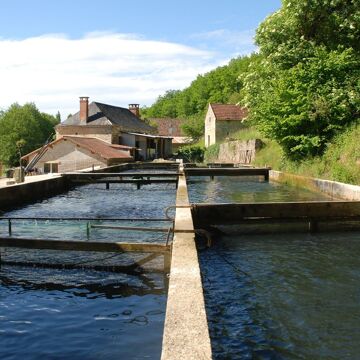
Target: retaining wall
x: 335, y: 189
x: 19, y: 194
x: 239, y: 152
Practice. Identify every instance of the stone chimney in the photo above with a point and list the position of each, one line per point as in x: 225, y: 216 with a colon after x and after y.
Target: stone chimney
x: 135, y: 109
x: 84, y: 109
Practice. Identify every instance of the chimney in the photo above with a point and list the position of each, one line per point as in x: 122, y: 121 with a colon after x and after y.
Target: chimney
x: 135, y: 109
x: 84, y: 109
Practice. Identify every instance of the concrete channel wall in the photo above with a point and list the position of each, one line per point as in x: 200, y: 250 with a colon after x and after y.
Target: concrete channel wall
x: 19, y: 194
x: 335, y: 189
x: 186, y: 334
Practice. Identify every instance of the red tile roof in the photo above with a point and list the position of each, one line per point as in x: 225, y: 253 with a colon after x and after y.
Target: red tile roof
x: 168, y: 126
x: 229, y: 112
x: 100, y: 147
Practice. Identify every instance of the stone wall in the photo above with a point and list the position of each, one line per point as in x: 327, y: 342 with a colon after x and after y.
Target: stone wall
x: 226, y: 129
x: 210, y: 128
x: 105, y: 133
x: 239, y: 152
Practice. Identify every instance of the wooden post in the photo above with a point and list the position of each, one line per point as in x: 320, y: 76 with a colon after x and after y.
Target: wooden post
x: 9, y: 227
x: 138, y: 186
x: 167, y: 262
x: 313, y: 226
x: 107, y: 186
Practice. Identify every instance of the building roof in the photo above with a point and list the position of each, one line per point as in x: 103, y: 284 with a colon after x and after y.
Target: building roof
x: 168, y: 126
x: 229, y: 112
x: 94, y: 145
x: 103, y: 114
x: 102, y: 148
x: 150, y: 136
x: 182, y: 140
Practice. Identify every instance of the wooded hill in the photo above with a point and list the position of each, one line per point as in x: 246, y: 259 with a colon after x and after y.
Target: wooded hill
x: 302, y: 88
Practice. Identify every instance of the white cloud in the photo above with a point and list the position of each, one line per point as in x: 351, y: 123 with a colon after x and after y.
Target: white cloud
x: 53, y: 70
x: 235, y: 42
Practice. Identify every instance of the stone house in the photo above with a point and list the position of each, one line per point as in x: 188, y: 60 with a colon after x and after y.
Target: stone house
x: 221, y: 121
x: 100, y: 135
x: 71, y: 153
x: 171, y: 127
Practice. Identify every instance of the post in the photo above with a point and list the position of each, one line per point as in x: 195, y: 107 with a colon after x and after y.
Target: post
x: 88, y: 227
x: 9, y: 227
x: 138, y: 185
x: 313, y: 226
x: 107, y: 186
x: 167, y: 262
x: 266, y: 176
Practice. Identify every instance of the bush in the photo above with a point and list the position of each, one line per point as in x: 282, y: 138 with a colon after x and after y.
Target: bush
x: 191, y: 153
x: 212, y: 152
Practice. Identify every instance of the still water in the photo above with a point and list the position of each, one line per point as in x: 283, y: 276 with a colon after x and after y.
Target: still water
x: 83, y: 314
x: 279, y: 296
x: 245, y: 189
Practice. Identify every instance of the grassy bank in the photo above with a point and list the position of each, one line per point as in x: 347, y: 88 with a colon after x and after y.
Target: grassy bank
x: 340, y: 162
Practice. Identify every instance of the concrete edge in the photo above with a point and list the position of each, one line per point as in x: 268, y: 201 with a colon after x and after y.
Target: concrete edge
x: 20, y: 194
x: 186, y: 333
x: 335, y: 189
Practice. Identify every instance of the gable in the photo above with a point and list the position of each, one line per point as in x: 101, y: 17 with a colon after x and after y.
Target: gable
x: 229, y: 112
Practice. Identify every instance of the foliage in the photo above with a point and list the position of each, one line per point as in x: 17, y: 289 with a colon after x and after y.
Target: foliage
x: 304, y: 87
x: 193, y: 126
x: 247, y: 133
x: 212, y: 153
x: 217, y: 86
x: 25, y: 126
x: 191, y: 153
x: 340, y: 161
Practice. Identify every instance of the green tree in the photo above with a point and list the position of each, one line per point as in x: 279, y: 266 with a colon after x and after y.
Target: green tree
x: 23, y: 125
x: 220, y: 85
x: 304, y: 87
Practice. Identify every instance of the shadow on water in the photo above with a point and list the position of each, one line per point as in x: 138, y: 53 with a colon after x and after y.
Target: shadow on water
x: 283, y: 296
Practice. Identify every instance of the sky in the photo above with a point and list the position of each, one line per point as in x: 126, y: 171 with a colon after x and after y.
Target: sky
x: 117, y: 52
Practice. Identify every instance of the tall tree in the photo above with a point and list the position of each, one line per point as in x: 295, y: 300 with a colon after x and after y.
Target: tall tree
x: 305, y: 88
x: 25, y: 125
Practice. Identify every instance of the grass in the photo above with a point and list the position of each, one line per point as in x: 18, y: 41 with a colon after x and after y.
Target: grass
x: 340, y: 162
x: 247, y: 133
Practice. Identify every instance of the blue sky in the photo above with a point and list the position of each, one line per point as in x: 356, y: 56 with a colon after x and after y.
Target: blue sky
x: 117, y: 52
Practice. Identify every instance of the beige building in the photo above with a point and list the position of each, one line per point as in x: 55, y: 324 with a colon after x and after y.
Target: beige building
x: 221, y: 121
x: 99, y: 135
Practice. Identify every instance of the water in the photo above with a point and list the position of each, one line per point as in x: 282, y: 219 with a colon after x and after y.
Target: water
x: 84, y: 314
x: 238, y: 189
x: 279, y: 296
x: 283, y: 296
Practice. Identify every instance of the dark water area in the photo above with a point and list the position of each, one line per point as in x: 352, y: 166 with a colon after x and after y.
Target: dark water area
x: 246, y: 189
x: 84, y: 314
x: 284, y: 296
x: 281, y: 295
x: 48, y: 314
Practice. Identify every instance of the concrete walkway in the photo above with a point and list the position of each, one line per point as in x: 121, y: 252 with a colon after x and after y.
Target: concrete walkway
x: 28, y: 179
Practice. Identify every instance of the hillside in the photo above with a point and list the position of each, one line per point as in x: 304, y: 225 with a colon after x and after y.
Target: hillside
x: 302, y: 90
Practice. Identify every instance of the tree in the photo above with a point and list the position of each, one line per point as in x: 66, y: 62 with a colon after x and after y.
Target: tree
x: 218, y: 85
x: 304, y: 87
x: 23, y: 125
